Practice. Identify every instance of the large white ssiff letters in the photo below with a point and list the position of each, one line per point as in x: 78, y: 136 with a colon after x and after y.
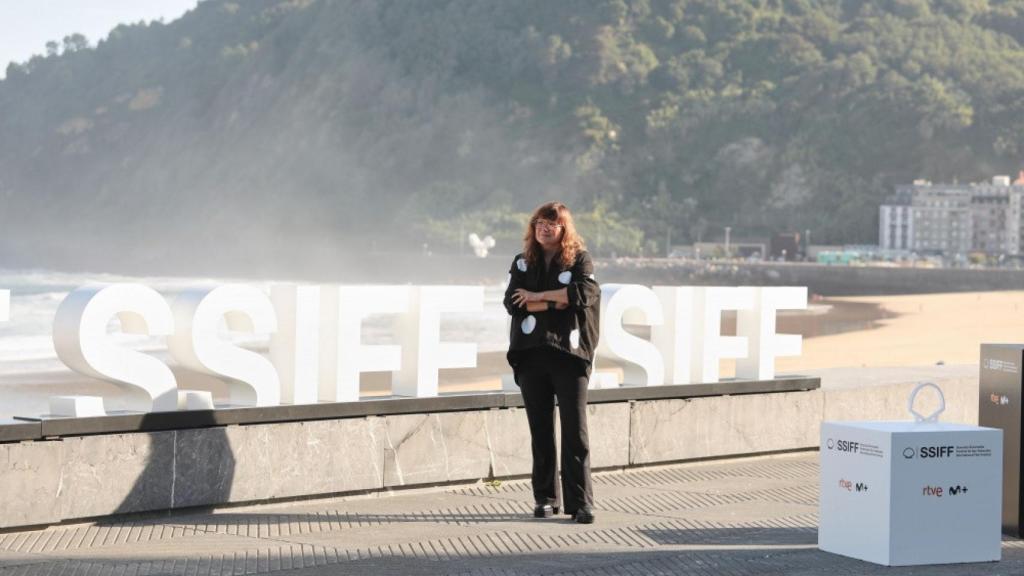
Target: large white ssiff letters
x: 82, y: 343
x: 686, y: 341
x: 5, y: 305
x: 316, y: 352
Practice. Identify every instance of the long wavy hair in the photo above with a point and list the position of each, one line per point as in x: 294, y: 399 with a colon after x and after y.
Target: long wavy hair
x: 572, y: 243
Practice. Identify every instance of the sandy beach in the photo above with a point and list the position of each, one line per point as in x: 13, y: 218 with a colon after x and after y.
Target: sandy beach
x: 867, y: 331
x: 924, y: 329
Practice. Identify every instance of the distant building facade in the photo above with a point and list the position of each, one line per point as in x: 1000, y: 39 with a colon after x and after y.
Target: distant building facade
x: 954, y: 218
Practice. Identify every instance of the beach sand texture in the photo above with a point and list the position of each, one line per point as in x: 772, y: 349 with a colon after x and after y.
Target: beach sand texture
x: 924, y: 330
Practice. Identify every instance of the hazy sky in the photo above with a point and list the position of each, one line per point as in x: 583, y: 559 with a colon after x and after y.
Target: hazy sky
x: 26, y: 25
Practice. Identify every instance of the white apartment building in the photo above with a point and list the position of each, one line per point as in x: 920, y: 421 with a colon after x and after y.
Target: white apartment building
x: 954, y: 218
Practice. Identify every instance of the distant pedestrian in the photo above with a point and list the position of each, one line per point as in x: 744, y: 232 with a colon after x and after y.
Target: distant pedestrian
x: 554, y: 301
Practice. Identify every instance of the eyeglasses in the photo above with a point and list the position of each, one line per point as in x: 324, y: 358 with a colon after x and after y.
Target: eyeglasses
x: 546, y: 225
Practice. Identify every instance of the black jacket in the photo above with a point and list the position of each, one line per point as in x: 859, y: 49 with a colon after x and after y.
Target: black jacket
x: 573, y: 330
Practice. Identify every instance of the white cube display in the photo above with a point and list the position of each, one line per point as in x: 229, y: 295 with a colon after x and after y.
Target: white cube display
x: 911, y: 493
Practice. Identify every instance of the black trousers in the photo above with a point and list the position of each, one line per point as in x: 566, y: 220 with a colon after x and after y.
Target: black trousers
x: 543, y: 375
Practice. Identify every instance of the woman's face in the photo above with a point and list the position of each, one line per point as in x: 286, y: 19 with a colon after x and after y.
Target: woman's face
x: 547, y: 233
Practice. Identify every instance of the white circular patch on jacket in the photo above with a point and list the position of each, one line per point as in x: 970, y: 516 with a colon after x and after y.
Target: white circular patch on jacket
x: 529, y: 323
x: 565, y: 277
x: 574, y: 338
x: 592, y: 277
x: 521, y: 264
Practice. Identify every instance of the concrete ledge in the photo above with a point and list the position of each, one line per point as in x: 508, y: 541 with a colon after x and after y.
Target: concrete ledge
x: 72, y: 477
x: 509, y: 439
x: 115, y: 473
x: 19, y: 430
x: 433, y: 448
x: 608, y: 426
x: 35, y: 428
x: 669, y: 430
x: 205, y: 466
x: 881, y: 393
x: 30, y: 482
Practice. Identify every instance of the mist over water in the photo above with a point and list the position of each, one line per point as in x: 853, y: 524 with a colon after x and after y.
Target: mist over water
x: 252, y: 166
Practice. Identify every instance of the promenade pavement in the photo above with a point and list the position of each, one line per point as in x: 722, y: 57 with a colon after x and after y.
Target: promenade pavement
x: 726, y: 517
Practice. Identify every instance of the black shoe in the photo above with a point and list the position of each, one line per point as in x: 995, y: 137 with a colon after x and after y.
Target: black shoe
x: 584, y: 516
x: 544, y: 511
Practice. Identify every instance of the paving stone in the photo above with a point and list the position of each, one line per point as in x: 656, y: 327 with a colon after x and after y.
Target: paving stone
x: 738, y: 517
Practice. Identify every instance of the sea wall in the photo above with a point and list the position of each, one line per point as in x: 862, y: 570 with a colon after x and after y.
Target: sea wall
x: 56, y: 470
x: 66, y: 469
x: 820, y: 279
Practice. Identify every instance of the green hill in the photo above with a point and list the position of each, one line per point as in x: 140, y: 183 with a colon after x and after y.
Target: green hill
x: 270, y: 130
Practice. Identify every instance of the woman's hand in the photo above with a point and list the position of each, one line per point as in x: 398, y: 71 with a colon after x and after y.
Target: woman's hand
x: 522, y: 296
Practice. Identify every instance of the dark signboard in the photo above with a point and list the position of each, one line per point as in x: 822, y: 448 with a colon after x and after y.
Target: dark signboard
x: 1000, y: 407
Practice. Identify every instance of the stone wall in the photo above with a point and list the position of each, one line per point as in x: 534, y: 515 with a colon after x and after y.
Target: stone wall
x: 48, y: 481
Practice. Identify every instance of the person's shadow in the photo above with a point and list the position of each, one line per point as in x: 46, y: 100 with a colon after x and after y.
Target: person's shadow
x: 190, y: 463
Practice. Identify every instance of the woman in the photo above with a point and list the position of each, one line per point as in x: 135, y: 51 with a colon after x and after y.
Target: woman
x: 554, y: 302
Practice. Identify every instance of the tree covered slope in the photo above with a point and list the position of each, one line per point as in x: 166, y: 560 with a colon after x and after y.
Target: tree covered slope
x: 275, y: 128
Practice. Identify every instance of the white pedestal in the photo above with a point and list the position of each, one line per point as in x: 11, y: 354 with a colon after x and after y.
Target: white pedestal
x: 910, y: 493
x: 77, y: 406
x: 195, y: 400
